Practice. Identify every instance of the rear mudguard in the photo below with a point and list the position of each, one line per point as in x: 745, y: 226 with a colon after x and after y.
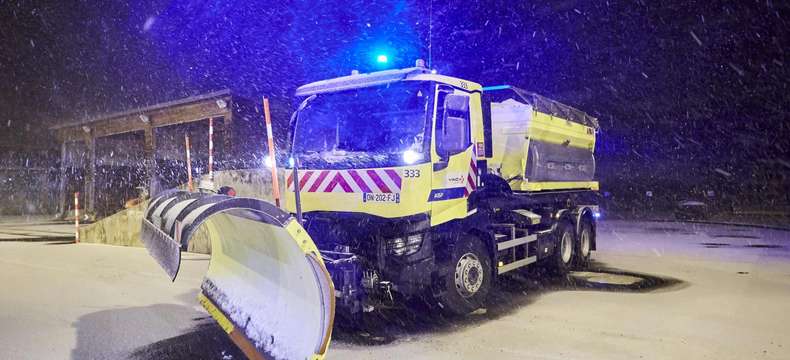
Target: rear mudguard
x: 266, y: 284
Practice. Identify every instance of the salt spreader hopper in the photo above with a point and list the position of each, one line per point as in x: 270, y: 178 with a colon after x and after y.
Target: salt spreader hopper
x: 266, y: 284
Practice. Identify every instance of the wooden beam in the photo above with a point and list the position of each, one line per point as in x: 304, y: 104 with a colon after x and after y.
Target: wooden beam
x: 178, y: 114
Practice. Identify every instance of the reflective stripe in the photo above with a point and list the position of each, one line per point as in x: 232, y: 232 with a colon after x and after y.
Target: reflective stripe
x: 210, y: 148
x: 378, y: 181
x: 338, y: 180
x: 363, y: 187
x: 348, y: 181
x: 318, y: 181
x: 447, y: 194
x: 472, y: 176
x: 212, y: 310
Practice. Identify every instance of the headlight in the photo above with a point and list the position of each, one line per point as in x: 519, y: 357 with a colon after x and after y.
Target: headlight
x: 405, y: 245
x: 411, y: 157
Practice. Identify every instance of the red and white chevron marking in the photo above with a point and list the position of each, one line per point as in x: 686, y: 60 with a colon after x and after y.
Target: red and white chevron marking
x: 348, y: 181
x: 471, y: 177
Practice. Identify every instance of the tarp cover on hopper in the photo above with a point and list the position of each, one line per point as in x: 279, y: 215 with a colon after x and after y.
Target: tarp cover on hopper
x: 266, y: 283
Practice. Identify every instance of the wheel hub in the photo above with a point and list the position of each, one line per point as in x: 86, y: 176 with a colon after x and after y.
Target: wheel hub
x: 585, y: 243
x: 566, y: 247
x: 468, y: 275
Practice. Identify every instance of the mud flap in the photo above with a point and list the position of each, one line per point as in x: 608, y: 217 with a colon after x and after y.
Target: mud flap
x: 266, y: 284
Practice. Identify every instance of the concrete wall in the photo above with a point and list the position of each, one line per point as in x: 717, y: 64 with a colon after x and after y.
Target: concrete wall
x: 123, y: 227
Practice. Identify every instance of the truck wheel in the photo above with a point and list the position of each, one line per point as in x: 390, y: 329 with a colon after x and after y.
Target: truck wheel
x: 468, y: 277
x: 584, y: 246
x: 562, y: 259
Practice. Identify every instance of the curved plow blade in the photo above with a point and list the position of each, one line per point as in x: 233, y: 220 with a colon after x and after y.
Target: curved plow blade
x: 266, y: 284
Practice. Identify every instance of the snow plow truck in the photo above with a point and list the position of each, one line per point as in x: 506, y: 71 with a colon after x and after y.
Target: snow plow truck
x: 401, y: 184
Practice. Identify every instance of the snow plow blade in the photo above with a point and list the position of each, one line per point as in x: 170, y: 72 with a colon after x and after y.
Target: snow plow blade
x: 266, y: 284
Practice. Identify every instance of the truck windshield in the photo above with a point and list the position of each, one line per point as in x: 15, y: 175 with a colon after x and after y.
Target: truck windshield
x: 373, y: 124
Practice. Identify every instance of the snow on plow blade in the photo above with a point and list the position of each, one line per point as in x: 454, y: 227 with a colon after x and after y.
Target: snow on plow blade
x: 266, y: 283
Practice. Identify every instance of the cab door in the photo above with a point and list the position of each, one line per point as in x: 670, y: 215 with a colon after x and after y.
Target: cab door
x: 452, y: 156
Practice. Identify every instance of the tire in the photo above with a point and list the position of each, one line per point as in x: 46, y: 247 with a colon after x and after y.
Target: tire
x: 561, y: 261
x: 469, y: 277
x: 583, y: 246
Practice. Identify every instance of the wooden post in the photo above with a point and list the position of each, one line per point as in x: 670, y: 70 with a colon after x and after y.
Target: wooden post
x: 62, y: 195
x: 77, y: 217
x: 228, y: 148
x: 275, y: 182
x: 189, y: 164
x: 211, y: 149
x: 90, y: 178
x: 149, y: 153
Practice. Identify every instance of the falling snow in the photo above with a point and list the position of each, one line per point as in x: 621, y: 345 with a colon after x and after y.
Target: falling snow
x: 692, y: 98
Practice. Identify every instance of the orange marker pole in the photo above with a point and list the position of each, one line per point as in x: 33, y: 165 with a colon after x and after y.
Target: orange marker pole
x: 211, y: 148
x: 77, y: 217
x: 189, y: 165
x: 275, y: 182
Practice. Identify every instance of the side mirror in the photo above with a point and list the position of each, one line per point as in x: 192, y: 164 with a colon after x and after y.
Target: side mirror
x: 453, y: 137
x: 452, y: 129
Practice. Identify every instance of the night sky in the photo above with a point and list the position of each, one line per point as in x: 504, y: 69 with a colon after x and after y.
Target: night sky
x: 675, y: 85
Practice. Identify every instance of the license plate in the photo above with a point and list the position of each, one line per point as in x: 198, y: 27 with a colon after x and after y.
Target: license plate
x: 381, y: 197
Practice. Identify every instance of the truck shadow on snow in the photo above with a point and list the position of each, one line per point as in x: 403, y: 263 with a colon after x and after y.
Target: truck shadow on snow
x: 514, y: 292
x: 135, y: 333
x: 138, y: 332
x: 206, y: 340
x: 126, y: 330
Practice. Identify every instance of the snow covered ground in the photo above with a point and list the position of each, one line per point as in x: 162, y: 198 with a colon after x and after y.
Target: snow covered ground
x: 37, y: 227
x: 658, y: 290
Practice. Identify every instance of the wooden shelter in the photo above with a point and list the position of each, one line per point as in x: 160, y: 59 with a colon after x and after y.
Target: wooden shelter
x: 133, y: 147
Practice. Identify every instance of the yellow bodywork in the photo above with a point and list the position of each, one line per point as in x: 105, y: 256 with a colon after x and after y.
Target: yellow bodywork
x: 259, y: 261
x: 435, y: 191
x: 418, y: 181
x: 515, y: 125
x: 215, y: 312
x: 556, y: 130
x: 413, y: 197
x: 559, y: 185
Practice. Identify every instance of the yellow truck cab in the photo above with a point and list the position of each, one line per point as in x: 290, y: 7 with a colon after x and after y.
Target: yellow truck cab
x: 413, y: 183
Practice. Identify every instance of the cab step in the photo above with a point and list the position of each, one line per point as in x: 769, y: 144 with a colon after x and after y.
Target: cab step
x: 513, y: 250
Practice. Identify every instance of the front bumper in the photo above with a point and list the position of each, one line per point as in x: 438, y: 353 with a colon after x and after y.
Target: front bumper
x: 357, y: 288
x: 371, y: 276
